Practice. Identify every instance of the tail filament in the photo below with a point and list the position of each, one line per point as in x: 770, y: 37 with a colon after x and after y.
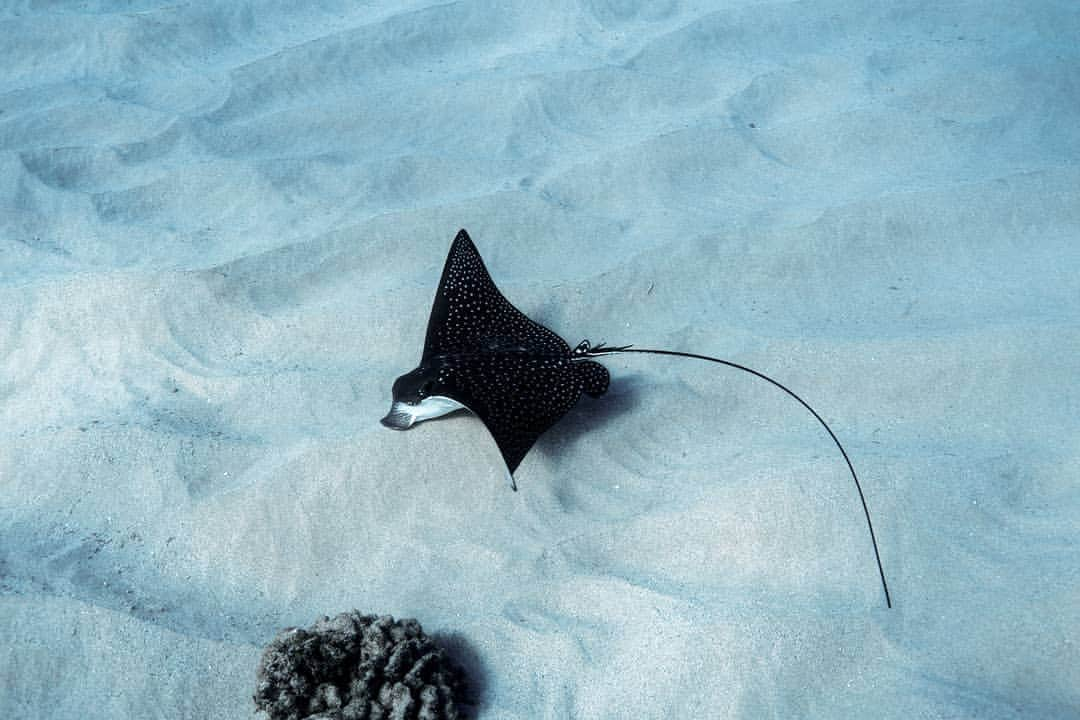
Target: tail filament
x: 585, y: 349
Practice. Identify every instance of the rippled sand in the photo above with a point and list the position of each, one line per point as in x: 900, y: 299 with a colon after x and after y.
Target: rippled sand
x: 221, y: 227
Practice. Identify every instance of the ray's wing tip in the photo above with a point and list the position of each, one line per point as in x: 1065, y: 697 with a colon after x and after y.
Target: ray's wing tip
x: 463, y: 245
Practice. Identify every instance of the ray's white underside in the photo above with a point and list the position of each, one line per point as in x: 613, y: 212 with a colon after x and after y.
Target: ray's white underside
x: 404, y: 415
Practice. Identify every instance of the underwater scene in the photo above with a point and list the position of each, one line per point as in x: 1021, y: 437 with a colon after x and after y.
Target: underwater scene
x: 323, y: 373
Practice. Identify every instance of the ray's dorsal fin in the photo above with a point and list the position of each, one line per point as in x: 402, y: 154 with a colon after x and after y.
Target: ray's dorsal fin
x: 470, y: 314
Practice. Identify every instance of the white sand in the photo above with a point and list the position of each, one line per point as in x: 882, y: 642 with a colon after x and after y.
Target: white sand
x: 221, y: 226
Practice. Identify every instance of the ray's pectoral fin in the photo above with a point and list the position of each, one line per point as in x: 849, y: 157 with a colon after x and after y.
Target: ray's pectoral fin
x: 513, y: 445
x: 517, y: 417
x: 470, y: 314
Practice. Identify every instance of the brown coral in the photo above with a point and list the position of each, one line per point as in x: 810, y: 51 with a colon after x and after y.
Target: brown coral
x: 357, y: 667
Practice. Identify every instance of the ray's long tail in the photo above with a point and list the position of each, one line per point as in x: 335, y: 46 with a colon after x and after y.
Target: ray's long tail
x: 584, y: 349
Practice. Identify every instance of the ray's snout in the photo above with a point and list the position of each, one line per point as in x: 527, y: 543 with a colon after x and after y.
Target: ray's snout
x: 399, y: 418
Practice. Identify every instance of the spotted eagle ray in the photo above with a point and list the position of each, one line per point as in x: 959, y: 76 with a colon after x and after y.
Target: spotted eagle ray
x: 484, y: 355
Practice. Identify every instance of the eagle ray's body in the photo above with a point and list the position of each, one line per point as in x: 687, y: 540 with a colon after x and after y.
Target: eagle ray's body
x: 483, y: 354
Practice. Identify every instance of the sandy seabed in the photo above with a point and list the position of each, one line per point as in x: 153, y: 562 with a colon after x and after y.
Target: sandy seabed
x: 221, y: 226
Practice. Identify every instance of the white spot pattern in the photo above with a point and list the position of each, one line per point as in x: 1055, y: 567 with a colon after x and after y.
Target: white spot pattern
x: 518, y: 376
